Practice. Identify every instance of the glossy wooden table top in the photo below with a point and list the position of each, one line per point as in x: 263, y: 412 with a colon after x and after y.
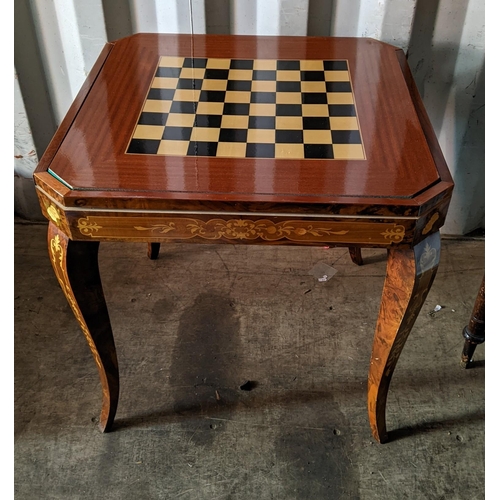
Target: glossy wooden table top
x: 132, y: 101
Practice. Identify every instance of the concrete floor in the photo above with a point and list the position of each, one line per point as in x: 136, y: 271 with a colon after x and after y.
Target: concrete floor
x: 195, y: 325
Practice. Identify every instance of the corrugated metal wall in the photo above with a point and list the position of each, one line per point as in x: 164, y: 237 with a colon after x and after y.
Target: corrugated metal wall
x: 57, y: 41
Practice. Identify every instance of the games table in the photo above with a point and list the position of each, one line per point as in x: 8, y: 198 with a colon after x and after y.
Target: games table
x: 249, y: 140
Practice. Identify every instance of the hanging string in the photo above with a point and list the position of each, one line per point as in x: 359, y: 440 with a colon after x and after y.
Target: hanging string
x: 191, y: 15
x: 192, y: 63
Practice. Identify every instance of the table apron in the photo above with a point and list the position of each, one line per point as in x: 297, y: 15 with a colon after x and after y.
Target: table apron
x: 246, y: 229
x: 242, y: 227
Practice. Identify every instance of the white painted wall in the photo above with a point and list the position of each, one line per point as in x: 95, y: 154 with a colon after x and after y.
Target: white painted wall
x: 25, y: 156
x: 451, y: 82
x: 57, y: 41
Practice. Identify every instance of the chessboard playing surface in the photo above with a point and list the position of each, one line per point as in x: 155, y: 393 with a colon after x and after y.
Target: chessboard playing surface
x: 258, y: 108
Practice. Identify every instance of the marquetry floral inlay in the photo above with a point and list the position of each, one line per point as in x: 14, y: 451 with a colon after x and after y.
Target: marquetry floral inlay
x: 242, y: 229
x: 57, y: 254
x: 162, y: 228
x: 395, y: 234
x: 53, y: 213
x: 428, y: 258
x: 430, y: 223
x: 56, y: 250
x: 87, y: 227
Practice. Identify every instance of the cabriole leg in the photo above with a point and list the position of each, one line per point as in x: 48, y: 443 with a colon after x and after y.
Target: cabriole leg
x: 410, y: 273
x: 75, y: 264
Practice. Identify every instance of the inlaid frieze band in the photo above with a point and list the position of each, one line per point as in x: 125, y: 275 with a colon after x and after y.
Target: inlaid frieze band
x: 240, y: 229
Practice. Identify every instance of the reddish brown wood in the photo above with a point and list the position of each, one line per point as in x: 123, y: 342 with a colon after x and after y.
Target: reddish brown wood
x: 474, y: 332
x: 75, y: 264
x: 355, y: 254
x: 410, y: 273
x: 411, y: 207
x: 389, y: 123
x: 67, y: 122
x: 91, y: 191
x: 425, y: 122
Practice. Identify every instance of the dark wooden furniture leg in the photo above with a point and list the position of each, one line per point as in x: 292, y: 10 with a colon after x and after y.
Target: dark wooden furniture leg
x: 355, y: 253
x: 75, y: 264
x: 153, y: 250
x: 410, y: 273
x: 474, y: 331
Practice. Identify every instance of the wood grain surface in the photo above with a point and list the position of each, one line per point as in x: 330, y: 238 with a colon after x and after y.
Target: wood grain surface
x: 410, y: 273
x: 474, y: 331
x: 396, y: 195
x: 76, y: 268
x: 399, y: 163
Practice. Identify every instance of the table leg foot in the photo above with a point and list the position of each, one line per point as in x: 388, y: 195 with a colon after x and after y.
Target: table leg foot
x: 153, y: 250
x: 467, y: 353
x: 75, y: 264
x: 474, y: 332
x: 410, y: 273
x: 355, y: 254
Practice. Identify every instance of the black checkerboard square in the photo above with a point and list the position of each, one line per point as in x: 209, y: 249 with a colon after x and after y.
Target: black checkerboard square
x: 335, y: 65
x: 177, y: 133
x: 316, y: 123
x: 233, y: 135
x: 152, y: 118
x: 233, y: 108
x: 341, y: 110
x: 212, y: 95
x: 338, y: 87
x: 161, y: 94
x: 216, y: 74
x: 288, y: 65
x: 288, y: 110
x: 346, y: 137
x: 239, y: 85
x: 290, y: 136
x: 189, y: 83
x: 314, y: 98
x: 194, y: 62
x: 143, y: 146
x: 287, y: 86
x: 198, y: 148
x: 318, y: 151
x: 264, y: 97
x: 259, y: 150
x: 312, y: 76
x: 168, y: 72
x: 244, y: 108
x: 241, y: 64
x: 183, y: 107
x: 262, y: 122
x: 263, y: 74
x: 208, y: 121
